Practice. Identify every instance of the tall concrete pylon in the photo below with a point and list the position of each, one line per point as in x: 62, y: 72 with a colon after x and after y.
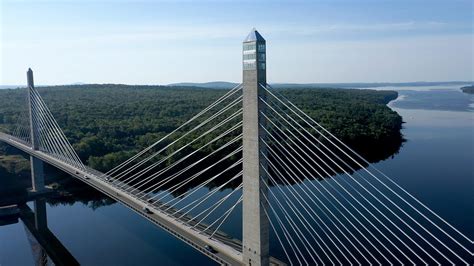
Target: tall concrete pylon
x: 37, y: 169
x: 255, y: 222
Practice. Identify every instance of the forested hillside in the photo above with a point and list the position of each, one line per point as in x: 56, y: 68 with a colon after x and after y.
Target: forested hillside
x: 468, y: 89
x: 108, y: 123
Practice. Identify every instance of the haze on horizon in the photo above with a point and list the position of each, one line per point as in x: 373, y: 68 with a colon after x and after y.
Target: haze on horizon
x: 162, y: 42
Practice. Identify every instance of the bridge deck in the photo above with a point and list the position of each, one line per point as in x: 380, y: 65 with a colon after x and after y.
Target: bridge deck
x: 228, y: 249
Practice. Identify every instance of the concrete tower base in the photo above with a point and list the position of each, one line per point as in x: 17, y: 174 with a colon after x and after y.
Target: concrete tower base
x: 37, y: 175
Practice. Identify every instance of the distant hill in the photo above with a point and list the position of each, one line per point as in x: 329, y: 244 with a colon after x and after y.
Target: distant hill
x: 212, y: 84
x: 367, y: 85
x: 36, y: 85
x: 228, y: 85
x: 468, y: 89
x: 10, y: 86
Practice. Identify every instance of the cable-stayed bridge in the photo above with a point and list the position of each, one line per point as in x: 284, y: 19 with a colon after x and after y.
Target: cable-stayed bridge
x: 304, y: 196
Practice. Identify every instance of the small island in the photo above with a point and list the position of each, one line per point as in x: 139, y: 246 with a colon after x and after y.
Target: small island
x: 468, y: 89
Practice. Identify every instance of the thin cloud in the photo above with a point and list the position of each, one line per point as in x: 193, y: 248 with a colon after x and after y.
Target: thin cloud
x: 373, y: 27
x: 219, y: 32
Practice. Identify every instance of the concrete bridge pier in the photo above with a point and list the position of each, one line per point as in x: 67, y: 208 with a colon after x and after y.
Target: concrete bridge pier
x: 37, y: 175
x: 37, y: 168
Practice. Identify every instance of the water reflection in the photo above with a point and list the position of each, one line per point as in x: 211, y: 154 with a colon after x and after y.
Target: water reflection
x: 46, y: 248
x: 15, y: 202
x: 71, y: 191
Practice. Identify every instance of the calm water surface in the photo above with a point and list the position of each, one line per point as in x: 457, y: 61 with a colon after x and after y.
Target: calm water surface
x: 435, y: 164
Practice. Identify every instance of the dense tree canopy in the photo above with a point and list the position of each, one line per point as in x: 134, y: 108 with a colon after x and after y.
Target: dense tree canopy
x: 468, y: 89
x: 108, y: 123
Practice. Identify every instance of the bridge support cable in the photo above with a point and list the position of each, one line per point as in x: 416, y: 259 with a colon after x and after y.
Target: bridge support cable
x: 311, y: 213
x: 147, y: 159
x: 345, y: 149
x: 201, y: 113
x: 209, y: 210
x: 331, y: 138
x: 147, y: 180
x: 144, y: 195
x: 219, y: 137
x: 179, y: 185
x: 47, y: 141
x: 214, y: 116
x: 379, y: 201
x: 168, y: 157
x: 16, y: 132
x: 167, y: 168
x: 226, y: 215
x: 370, y: 203
x: 285, y: 233
x: 21, y: 127
x: 301, y: 159
x: 277, y: 235
x: 221, y: 219
x: 190, y: 192
x: 51, y: 131
x: 334, y: 158
x: 166, y: 180
x: 302, y: 220
x: 304, y: 230
x: 202, y: 199
x: 293, y: 242
x: 170, y: 189
x: 173, y: 180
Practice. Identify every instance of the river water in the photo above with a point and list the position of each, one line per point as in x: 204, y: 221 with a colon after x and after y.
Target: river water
x: 435, y: 164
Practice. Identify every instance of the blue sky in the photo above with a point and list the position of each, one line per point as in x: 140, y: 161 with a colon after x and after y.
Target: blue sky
x: 161, y: 42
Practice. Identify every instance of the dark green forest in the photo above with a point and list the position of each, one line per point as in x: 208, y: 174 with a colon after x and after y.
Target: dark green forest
x: 468, y: 89
x: 109, y: 123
